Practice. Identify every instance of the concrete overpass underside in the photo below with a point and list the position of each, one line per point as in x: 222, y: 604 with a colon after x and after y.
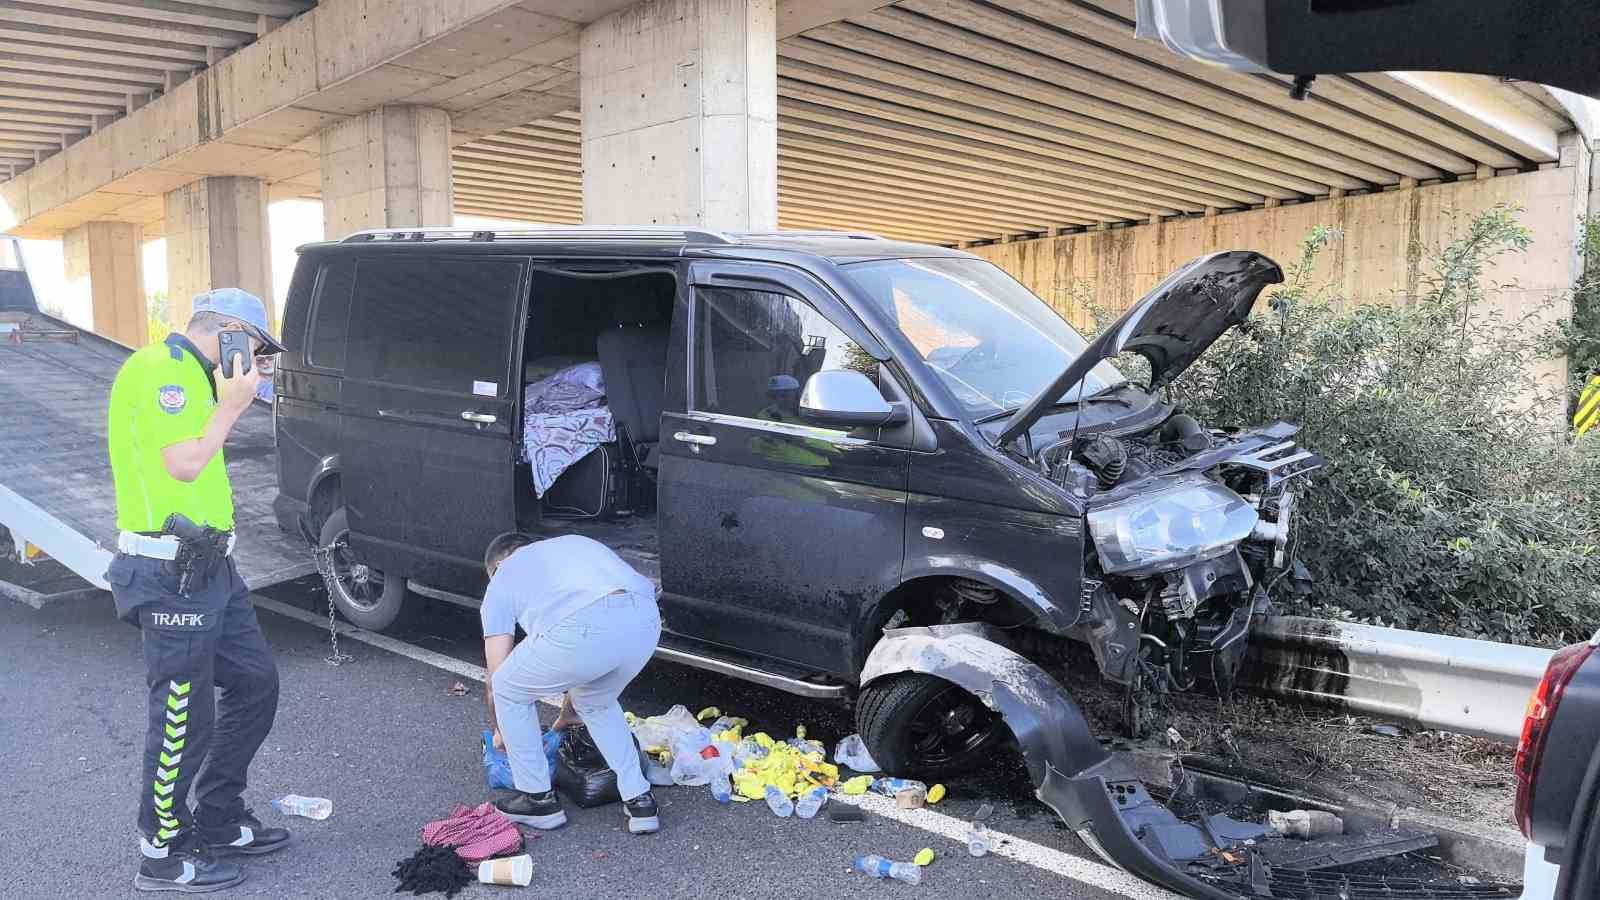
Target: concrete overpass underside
x: 968, y: 122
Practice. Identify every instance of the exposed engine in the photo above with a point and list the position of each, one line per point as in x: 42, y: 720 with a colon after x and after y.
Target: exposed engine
x: 1191, y: 533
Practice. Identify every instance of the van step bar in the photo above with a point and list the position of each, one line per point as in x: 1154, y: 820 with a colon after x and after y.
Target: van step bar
x: 689, y: 652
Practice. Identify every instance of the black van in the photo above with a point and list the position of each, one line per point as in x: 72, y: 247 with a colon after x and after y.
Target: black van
x: 804, y: 437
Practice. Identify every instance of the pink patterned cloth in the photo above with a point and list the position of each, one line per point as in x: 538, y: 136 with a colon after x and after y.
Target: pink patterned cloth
x: 476, y: 833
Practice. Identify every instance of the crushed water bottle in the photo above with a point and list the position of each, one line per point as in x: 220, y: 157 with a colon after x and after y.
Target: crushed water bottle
x: 719, y: 769
x: 810, y: 802
x: 779, y: 802
x: 979, y: 843
x: 891, y: 786
x: 309, y: 807
x: 878, y: 867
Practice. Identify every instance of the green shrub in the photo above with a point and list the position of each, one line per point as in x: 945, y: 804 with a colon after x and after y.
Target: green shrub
x: 1452, y: 500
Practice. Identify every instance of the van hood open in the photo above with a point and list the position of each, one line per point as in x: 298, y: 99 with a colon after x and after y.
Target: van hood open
x: 1170, y: 326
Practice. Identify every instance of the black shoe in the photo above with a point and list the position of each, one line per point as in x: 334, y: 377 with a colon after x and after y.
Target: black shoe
x: 246, y: 836
x: 186, y: 866
x: 542, y: 811
x: 643, y: 817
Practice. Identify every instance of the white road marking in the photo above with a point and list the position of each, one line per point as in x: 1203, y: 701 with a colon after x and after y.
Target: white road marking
x: 1049, y: 859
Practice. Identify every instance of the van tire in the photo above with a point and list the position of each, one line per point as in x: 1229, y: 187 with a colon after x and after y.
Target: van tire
x: 370, y: 608
x: 888, y: 712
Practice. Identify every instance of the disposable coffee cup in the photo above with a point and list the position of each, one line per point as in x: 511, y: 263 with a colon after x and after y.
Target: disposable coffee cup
x: 513, y: 870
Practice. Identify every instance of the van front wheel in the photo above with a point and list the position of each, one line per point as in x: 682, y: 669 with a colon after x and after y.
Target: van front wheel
x: 926, y: 727
x: 361, y: 593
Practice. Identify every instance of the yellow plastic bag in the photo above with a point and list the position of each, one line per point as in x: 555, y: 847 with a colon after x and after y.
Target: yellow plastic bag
x: 923, y: 857
x: 936, y: 793
x: 709, y: 714
x: 764, y: 739
x: 857, y: 785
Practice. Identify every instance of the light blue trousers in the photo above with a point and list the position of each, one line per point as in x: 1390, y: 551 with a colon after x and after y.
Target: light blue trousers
x: 593, y: 653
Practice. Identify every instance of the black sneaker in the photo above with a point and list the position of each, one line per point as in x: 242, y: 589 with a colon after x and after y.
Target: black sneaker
x: 185, y: 866
x: 247, y: 836
x: 643, y: 817
x: 542, y: 811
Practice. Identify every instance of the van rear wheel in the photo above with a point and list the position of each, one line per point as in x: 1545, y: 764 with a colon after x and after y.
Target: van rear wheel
x: 362, y: 594
x: 923, y: 726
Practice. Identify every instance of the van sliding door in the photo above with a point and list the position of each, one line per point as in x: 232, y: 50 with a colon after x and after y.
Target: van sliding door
x: 430, y: 412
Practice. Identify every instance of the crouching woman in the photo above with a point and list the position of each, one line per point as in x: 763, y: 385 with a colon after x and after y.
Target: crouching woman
x: 591, y: 624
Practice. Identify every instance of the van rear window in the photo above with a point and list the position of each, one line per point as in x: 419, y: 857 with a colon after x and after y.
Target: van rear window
x: 330, y: 315
x: 440, y: 324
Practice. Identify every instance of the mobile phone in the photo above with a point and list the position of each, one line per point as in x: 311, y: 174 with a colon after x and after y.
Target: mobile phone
x: 235, y: 345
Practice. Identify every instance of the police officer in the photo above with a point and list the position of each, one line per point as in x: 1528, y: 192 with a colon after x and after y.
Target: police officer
x: 171, y: 408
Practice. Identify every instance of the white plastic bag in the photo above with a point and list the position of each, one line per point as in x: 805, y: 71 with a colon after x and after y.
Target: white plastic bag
x: 659, y: 731
x: 852, y: 754
x: 688, y: 767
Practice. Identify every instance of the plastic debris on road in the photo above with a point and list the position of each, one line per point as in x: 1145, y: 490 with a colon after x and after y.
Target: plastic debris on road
x: 924, y: 857
x: 857, y: 785
x: 852, y: 754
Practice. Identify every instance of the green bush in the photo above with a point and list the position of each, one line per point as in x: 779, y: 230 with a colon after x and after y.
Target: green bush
x: 1452, y: 500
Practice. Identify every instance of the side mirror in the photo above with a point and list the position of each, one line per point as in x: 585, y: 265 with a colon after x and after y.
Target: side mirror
x: 841, y: 398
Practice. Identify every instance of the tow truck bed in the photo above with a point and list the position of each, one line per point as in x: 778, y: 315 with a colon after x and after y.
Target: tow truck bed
x: 55, y: 478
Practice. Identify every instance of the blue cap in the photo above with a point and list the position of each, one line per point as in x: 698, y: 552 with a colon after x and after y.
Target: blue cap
x: 782, y: 383
x: 243, y: 306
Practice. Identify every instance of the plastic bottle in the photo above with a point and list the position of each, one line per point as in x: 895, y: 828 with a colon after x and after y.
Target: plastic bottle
x: 779, y: 802
x: 719, y: 769
x: 1305, y: 823
x: 878, y: 867
x: 891, y: 786
x: 979, y: 843
x: 688, y: 767
x: 309, y: 807
x: 810, y: 802
x: 852, y: 754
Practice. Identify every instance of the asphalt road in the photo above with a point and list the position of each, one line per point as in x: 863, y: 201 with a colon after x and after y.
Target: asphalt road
x: 385, y: 738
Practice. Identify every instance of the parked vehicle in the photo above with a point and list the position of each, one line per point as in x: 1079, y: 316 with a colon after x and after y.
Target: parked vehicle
x: 1558, y: 778
x: 816, y: 436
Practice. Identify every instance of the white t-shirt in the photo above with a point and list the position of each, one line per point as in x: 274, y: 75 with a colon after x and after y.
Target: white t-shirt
x: 539, y: 585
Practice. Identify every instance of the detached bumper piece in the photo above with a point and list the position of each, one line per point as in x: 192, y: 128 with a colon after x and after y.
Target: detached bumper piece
x: 1103, y: 802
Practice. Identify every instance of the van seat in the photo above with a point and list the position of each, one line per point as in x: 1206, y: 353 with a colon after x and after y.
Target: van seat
x: 633, y: 359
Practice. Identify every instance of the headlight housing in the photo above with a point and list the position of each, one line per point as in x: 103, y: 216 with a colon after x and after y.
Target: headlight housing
x: 1169, y: 529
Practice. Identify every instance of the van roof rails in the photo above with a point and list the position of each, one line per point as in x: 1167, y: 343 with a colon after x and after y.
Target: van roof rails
x: 553, y: 233
x: 814, y: 233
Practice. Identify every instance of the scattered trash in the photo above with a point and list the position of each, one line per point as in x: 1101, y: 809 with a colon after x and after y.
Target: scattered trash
x: 924, y: 857
x: 1305, y: 823
x: 432, y: 869
x: 910, y: 798
x: 509, y: 870
x: 878, y: 867
x: 857, y: 785
x: 310, y: 807
x: 811, y: 801
x: 985, y: 810
x: 704, y: 715
x: 779, y: 802
x: 892, y: 786
x: 687, y: 765
x: 600, y: 855
x: 979, y: 842
x: 1388, y: 730
x: 936, y: 793
x: 852, y: 754
x: 844, y: 812
x: 581, y: 773
x: 1174, y: 739
x: 458, y: 690
x: 655, y: 734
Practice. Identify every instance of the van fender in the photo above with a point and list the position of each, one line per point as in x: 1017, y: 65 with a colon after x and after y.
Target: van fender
x: 327, y: 466
x: 1051, y: 616
x: 1096, y: 794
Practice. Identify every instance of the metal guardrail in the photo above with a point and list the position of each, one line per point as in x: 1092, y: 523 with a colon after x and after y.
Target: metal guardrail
x: 1456, y: 684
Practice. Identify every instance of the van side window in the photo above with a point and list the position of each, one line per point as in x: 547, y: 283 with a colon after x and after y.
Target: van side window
x: 755, y: 350
x: 438, y: 324
x: 330, y: 315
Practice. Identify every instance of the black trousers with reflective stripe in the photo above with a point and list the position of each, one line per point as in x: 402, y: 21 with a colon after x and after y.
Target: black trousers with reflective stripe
x: 192, y: 646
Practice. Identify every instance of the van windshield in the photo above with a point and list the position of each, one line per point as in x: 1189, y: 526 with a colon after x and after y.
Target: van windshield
x: 986, y: 336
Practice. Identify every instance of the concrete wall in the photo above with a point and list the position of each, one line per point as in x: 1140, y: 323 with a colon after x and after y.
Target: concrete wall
x: 1376, y: 262
x: 102, y: 262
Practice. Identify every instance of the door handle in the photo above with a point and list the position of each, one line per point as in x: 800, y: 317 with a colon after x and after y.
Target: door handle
x: 480, y: 418
x: 701, y: 440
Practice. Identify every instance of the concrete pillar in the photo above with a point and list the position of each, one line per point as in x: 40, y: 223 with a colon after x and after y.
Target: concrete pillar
x: 104, y: 266
x: 680, y: 103
x: 388, y: 168
x: 216, y: 237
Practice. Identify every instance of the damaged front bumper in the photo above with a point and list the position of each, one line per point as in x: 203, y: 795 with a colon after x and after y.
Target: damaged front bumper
x: 1096, y: 794
x: 1099, y: 796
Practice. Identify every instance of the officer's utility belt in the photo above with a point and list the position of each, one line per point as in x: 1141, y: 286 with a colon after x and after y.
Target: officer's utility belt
x: 164, y: 546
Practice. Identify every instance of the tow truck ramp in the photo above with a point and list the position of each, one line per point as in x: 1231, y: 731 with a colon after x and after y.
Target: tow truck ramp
x: 57, y: 505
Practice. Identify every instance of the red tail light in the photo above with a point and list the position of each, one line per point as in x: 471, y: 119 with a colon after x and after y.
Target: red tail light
x: 1536, y: 727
